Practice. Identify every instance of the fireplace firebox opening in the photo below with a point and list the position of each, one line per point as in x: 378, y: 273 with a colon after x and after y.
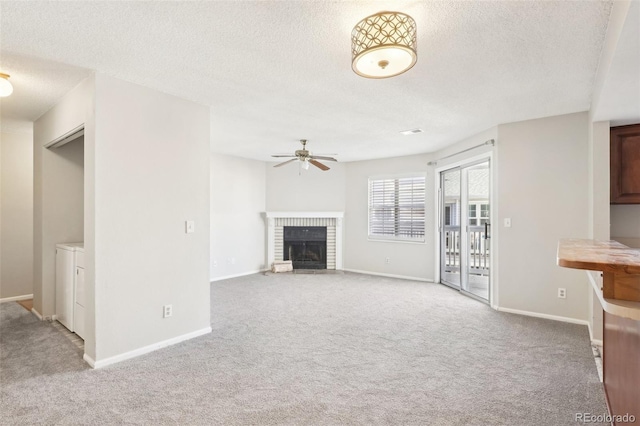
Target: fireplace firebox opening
x: 305, y: 246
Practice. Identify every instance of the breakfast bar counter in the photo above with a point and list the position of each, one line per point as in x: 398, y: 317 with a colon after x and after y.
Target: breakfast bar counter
x: 610, y: 256
x: 617, y: 286
x: 619, y: 290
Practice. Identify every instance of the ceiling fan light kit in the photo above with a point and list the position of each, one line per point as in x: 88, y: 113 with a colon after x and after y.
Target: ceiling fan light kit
x: 384, y: 45
x: 305, y: 158
x: 6, y: 88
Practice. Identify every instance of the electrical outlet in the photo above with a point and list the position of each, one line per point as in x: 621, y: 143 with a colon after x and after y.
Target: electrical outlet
x: 387, y: 260
x: 189, y: 226
x: 562, y: 293
x: 167, y: 311
x: 215, y: 263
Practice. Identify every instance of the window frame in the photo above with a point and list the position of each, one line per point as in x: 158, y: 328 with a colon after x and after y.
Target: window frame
x: 396, y: 237
x: 478, y: 217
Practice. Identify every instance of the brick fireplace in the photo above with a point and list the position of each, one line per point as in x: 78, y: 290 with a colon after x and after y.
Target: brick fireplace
x: 331, y: 221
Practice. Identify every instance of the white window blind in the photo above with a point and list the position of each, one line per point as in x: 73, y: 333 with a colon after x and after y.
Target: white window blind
x: 396, y: 208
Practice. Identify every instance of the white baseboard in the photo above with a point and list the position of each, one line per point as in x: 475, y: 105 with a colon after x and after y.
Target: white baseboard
x: 242, y: 274
x: 144, y: 350
x: 596, y: 342
x: 16, y: 298
x: 402, y: 277
x: 36, y: 313
x: 89, y: 360
x: 545, y: 316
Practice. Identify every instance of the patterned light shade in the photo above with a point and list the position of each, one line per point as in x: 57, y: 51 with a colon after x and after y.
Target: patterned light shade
x: 384, y: 45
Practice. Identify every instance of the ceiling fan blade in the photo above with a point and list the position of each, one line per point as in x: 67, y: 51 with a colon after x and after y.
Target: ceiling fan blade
x: 320, y: 157
x: 286, y: 162
x: 283, y: 156
x: 319, y: 165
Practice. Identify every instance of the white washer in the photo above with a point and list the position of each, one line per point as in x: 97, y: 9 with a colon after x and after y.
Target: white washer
x: 66, y: 273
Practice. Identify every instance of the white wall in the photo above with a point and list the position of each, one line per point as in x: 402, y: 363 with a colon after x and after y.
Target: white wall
x: 292, y: 189
x: 625, y: 222
x: 57, y: 215
x: 16, y: 211
x: 63, y: 195
x: 543, y: 187
x: 151, y: 175
x: 238, y: 201
x: 474, y: 144
x: 145, y: 173
x: 413, y: 260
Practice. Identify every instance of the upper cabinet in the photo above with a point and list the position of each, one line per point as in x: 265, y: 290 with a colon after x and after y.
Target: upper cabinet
x: 625, y: 164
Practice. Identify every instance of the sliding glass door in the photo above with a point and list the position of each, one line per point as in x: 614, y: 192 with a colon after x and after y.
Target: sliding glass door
x: 451, y: 206
x: 465, y: 228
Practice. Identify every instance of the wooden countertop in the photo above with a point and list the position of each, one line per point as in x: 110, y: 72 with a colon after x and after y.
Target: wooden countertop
x: 593, y: 255
x: 621, y: 308
x: 618, y: 287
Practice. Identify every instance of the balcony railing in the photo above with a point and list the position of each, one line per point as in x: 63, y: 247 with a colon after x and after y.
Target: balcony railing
x: 479, y: 256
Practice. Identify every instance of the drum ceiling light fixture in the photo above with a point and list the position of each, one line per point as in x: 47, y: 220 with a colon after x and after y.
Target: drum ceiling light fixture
x: 384, y: 45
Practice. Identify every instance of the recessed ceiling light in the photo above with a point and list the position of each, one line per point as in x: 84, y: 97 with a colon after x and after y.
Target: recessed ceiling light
x: 411, y: 132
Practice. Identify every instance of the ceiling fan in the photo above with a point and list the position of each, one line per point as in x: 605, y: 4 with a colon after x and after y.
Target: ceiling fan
x: 305, y: 157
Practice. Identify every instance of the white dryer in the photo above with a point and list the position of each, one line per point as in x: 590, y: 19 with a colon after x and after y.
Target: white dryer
x: 70, y: 288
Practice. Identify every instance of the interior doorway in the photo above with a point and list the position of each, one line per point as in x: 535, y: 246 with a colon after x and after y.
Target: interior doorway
x: 465, y: 228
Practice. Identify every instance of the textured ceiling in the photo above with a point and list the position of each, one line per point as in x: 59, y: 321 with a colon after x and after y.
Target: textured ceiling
x: 274, y: 72
x: 620, y: 101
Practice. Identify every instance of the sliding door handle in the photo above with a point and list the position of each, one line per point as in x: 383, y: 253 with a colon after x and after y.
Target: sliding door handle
x: 486, y: 230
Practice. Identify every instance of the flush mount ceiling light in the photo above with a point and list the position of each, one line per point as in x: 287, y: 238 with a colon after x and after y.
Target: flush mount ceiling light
x: 5, y: 86
x: 384, y: 45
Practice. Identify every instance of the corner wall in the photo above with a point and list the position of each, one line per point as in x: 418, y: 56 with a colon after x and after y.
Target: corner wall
x: 290, y: 189
x: 151, y: 175
x: 16, y: 204
x: 406, y: 259
x: 238, y: 232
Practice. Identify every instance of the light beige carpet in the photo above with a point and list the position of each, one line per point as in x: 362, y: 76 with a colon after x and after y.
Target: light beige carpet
x: 315, y: 350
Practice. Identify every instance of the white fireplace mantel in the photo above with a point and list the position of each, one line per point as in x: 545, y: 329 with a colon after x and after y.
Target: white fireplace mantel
x: 271, y: 216
x: 305, y: 214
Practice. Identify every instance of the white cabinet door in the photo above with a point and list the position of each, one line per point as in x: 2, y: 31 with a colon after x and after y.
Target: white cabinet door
x: 64, y: 287
x: 80, y: 303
